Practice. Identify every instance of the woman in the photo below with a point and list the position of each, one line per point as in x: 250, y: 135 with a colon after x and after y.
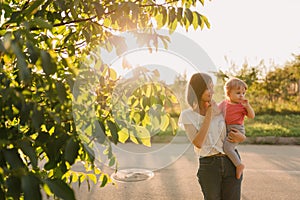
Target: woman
x: 205, y: 127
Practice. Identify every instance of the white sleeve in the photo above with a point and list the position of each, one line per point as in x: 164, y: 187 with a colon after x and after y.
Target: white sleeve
x: 189, y: 117
x: 185, y: 118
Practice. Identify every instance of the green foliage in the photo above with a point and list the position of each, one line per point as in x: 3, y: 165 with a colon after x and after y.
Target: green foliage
x: 143, y: 106
x: 41, y: 46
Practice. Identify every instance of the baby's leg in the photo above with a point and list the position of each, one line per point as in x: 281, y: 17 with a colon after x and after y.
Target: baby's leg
x: 229, y: 149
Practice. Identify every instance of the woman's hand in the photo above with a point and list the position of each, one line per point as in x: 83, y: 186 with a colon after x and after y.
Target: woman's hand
x: 215, y: 108
x: 235, y: 136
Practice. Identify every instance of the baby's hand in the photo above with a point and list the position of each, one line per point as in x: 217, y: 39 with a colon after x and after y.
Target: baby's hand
x: 245, y: 102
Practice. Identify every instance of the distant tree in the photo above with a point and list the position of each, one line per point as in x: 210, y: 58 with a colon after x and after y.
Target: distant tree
x: 41, y: 46
x: 283, y: 82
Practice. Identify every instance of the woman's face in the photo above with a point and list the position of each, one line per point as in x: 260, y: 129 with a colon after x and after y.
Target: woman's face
x: 208, y: 93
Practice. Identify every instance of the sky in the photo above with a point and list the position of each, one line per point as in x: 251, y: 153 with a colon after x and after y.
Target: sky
x: 241, y: 30
x: 251, y: 30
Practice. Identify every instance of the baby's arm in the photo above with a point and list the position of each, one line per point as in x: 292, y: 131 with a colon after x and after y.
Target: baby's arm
x: 250, y: 111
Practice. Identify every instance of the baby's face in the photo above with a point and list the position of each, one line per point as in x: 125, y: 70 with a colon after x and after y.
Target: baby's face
x: 237, y: 95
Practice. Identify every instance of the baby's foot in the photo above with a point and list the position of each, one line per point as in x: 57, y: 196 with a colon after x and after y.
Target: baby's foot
x: 239, y: 171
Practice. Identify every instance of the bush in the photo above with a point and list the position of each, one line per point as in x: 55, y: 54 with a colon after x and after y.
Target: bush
x: 273, y: 125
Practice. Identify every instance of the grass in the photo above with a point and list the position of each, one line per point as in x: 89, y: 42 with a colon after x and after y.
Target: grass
x: 273, y: 125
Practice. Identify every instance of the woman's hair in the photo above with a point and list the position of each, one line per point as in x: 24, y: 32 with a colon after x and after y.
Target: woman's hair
x: 197, y: 86
x: 234, y: 83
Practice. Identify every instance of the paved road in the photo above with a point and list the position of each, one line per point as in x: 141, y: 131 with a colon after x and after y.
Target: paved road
x: 272, y: 173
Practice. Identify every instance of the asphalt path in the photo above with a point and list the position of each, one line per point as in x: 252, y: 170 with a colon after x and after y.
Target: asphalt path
x: 272, y: 173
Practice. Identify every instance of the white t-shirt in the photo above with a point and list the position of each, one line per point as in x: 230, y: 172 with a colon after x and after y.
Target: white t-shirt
x: 213, y: 143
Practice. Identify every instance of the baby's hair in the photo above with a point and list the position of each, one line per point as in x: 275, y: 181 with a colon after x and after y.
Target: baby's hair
x: 234, y: 83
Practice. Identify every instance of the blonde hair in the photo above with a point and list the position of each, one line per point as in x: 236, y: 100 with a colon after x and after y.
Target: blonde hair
x: 234, y: 83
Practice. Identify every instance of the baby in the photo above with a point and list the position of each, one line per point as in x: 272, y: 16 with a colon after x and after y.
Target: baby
x: 234, y: 109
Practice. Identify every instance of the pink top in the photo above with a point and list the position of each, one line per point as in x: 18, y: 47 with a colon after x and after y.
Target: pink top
x: 233, y: 113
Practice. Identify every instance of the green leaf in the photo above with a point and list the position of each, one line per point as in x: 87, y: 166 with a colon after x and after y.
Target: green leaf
x: 189, y: 15
x: 99, y: 132
x: 48, y: 66
x: 133, y: 138
x: 73, y: 10
x: 164, y: 15
x: 123, y: 135
x: 90, y: 152
x: 5, y: 7
x: 145, y: 102
x: 173, y: 125
x: 148, y: 90
x: 200, y: 21
x: 113, y: 130
x: 155, y: 123
x: 179, y: 14
x: 61, y: 91
x: 30, y: 187
x: 37, y: 117
x: 104, y: 180
x: 47, y: 190
x: 71, y: 150
x: 28, y: 150
x: 14, y: 187
x: 205, y: 21
x: 2, y: 195
x: 12, y: 157
x: 69, y: 36
x: 99, y: 10
x: 50, y: 17
x: 136, y: 117
x: 112, y: 74
x: 172, y: 27
x: 39, y: 22
x: 31, y: 8
x: 15, y: 17
x: 87, y: 35
x: 159, y: 20
x: 60, y: 189
x: 33, y: 52
x: 24, y: 71
x: 112, y: 161
x: 195, y: 20
x: 172, y: 15
x: 143, y: 135
x: 164, y: 123
x: 93, y: 178
x: 89, y: 130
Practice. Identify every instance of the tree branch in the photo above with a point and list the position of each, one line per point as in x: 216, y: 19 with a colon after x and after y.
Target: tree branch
x: 163, y: 4
x: 74, y: 21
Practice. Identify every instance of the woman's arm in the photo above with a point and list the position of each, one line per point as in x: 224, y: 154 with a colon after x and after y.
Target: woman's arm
x: 198, y: 137
x: 235, y: 136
